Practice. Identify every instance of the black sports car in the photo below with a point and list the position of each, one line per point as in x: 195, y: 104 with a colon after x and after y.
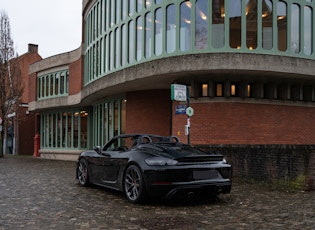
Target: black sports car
x: 144, y: 165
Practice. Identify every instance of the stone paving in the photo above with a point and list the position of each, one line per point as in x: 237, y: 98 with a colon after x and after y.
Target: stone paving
x: 43, y: 194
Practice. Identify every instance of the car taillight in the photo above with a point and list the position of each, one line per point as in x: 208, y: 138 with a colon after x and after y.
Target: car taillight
x: 226, y: 173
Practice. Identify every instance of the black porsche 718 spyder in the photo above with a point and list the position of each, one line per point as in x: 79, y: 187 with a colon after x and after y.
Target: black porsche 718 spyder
x: 145, y: 165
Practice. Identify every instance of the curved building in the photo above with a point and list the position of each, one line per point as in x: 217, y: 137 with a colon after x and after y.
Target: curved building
x: 249, y: 67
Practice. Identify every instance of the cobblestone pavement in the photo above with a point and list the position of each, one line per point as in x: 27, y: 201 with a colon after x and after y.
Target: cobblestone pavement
x: 43, y: 194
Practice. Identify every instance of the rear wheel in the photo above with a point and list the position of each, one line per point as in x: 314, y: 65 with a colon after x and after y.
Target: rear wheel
x: 82, y: 173
x: 134, y: 186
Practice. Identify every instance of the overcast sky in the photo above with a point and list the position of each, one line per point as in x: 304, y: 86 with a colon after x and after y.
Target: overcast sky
x: 54, y: 25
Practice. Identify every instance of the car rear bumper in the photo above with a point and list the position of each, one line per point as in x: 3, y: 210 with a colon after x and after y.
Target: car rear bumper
x: 191, y: 189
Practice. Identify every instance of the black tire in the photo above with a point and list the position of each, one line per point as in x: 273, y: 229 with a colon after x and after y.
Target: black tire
x: 134, y: 186
x: 82, y: 173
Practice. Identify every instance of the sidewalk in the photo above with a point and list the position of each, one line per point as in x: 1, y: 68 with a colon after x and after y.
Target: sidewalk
x: 43, y: 194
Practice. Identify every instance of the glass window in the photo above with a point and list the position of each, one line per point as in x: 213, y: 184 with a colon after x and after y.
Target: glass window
x: 110, y: 120
x: 148, y: 3
x: 75, y: 129
x: 171, y: 28
x: 123, y: 116
x: 118, y: 42
x: 97, y: 59
x: 131, y: 7
x: 97, y: 19
x: 124, y: 9
x: 233, y: 90
x: 235, y: 12
x: 116, y: 117
x: 267, y: 31
x: 148, y: 34
x: 101, y: 55
x: 201, y: 33
x: 185, y: 25
x: 217, y: 28
x: 64, y: 128
x: 251, y: 24
x: 59, y: 131
x: 118, y: 11
x: 105, y: 52
x: 131, y: 41
x: 158, y: 31
x: 107, y: 14
x: 52, y: 84
x: 249, y: 90
x: 105, y: 123
x: 83, y: 128
x: 112, y: 12
x: 47, y: 85
x: 110, y: 50
x: 42, y: 86
x: 158, y: 1
x: 219, y: 90
x: 124, y: 45
x: 69, y: 130
x: 57, y: 79
x: 139, y: 5
x: 295, y: 28
x: 282, y: 25
x: 101, y: 23
x: 308, y: 30
x: 204, y: 90
x: 139, y: 38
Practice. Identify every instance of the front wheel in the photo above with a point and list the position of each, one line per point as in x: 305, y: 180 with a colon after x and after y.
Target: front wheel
x: 82, y: 173
x: 134, y: 186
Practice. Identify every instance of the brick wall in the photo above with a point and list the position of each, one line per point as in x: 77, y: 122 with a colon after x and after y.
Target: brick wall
x: 285, y: 164
x: 26, y: 133
x: 75, y: 79
x: 242, y: 123
x: 149, y: 112
x: 25, y: 60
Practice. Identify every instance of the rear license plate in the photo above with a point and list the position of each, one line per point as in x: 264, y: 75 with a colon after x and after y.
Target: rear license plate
x: 205, y: 174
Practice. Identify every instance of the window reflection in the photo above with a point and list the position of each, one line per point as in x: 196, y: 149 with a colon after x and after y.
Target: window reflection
x: 251, y: 24
x: 267, y: 31
x: 139, y: 5
x: 171, y: 28
x: 168, y: 26
x: 282, y: 25
x: 131, y: 41
x: 235, y: 12
x: 124, y: 45
x: 295, y: 28
x: 158, y: 31
x: 148, y: 34
x: 201, y: 33
x: 139, y: 37
x: 185, y: 25
x: 308, y: 30
x: 217, y: 28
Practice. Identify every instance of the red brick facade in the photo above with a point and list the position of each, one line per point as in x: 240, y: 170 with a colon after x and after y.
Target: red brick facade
x: 75, y: 77
x: 149, y: 112
x: 242, y: 123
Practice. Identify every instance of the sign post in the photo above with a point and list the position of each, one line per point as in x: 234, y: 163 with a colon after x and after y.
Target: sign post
x: 181, y: 93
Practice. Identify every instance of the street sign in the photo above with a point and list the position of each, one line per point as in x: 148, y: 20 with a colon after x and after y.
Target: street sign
x: 189, y: 111
x: 180, y: 109
x: 178, y: 92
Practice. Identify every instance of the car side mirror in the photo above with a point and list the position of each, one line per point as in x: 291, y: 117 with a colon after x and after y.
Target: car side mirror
x: 97, y: 149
